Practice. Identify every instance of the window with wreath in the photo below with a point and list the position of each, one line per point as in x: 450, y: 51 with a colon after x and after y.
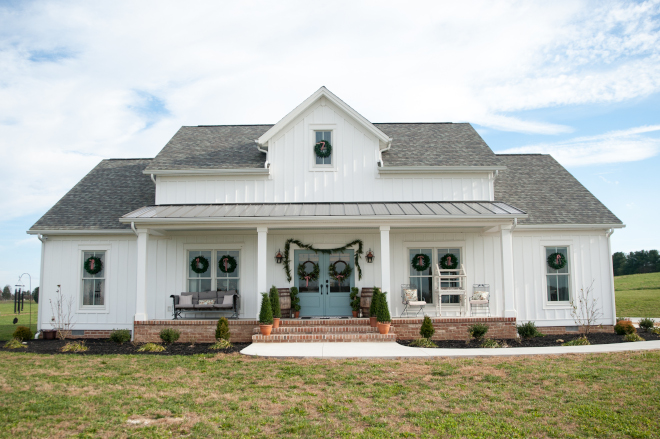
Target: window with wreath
x: 557, y: 274
x: 93, y: 279
x: 421, y: 272
x: 452, y: 257
x: 323, y: 147
x: 210, y: 270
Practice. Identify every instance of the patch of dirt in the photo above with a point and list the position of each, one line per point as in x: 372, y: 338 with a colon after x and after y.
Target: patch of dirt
x: 545, y: 341
x: 108, y: 347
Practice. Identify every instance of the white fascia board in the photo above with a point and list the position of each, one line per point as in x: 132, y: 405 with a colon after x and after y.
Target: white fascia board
x: 321, y: 92
x: 570, y: 226
x: 246, y: 171
x: 81, y: 232
x: 437, y: 169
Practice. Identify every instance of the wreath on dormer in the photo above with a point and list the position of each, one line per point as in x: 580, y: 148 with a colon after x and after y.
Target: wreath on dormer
x: 323, y: 148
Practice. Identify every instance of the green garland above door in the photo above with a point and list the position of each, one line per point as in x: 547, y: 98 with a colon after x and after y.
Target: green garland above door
x: 356, y: 257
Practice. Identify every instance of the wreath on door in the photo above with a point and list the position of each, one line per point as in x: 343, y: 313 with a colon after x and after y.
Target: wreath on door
x: 449, y: 261
x: 323, y: 148
x: 93, y: 265
x: 556, y: 261
x: 421, y: 262
x: 342, y: 275
x: 313, y: 275
x: 227, y: 264
x: 199, y: 264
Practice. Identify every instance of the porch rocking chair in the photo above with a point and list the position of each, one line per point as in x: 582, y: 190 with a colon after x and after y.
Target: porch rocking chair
x: 409, y: 299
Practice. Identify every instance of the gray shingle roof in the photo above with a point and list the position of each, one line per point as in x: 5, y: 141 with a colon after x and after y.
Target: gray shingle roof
x: 549, y: 194
x: 112, y: 189
x: 413, y: 144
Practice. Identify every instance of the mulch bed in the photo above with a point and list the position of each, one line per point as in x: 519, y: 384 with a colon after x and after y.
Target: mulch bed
x: 107, y: 347
x: 537, y: 342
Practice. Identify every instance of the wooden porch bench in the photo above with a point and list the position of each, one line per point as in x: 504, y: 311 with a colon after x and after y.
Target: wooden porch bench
x: 220, y: 304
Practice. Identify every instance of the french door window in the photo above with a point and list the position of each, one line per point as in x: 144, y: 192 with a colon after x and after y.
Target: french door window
x: 213, y: 278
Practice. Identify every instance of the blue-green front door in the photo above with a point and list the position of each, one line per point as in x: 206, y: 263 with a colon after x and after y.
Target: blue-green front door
x: 324, y: 296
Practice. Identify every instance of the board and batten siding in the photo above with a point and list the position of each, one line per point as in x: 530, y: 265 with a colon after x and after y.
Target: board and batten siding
x: 295, y: 179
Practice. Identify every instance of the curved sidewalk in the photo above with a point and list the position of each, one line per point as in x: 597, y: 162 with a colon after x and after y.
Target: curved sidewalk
x: 395, y: 350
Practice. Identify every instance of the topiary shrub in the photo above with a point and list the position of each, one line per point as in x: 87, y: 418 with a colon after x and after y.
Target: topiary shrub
x: 646, y: 324
x: 477, y: 331
x: 295, y: 300
x: 275, y: 302
x: 623, y: 327
x: 266, y: 313
x: 22, y: 333
x: 169, y: 335
x: 372, y: 307
x: 427, y: 330
x: 355, y: 299
x: 120, y: 335
x: 528, y: 330
x: 222, y: 329
x: 382, y: 310
x: 633, y: 337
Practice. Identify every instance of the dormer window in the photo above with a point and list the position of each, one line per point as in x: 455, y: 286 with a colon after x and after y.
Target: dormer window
x: 323, y: 147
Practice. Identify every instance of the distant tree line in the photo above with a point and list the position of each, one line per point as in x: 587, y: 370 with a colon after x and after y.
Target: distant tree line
x: 8, y: 295
x: 636, y: 262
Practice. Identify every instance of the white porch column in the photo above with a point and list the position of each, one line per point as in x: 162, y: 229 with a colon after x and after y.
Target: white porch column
x: 507, y: 272
x: 141, y: 292
x: 262, y: 264
x: 385, y: 261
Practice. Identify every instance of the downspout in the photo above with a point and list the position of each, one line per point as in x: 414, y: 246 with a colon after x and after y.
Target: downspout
x: 259, y: 147
x: 43, y: 239
x: 611, y: 268
x: 515, y: 224
x: 133, y: 228
x: 153, y: 178
x: 380, y: 153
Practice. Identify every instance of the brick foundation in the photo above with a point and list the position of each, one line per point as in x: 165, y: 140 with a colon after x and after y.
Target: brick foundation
x: 447, y: 328
x: 199, y: 331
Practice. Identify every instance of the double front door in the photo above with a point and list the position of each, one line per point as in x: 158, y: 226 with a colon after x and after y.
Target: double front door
x: 320, y: 293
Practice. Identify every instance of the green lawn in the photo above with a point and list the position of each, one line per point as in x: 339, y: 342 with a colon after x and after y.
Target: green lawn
x: 604, y: 396
x: 7, y: 317
x: 638, y: 295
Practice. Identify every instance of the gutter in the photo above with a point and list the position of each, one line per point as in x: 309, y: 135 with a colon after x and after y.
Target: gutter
x: 571, y: 226
x: 246, y: 171
x: 436, y: 169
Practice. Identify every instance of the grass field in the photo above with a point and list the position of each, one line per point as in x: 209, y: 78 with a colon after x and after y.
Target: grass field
x: 638, y: 295
x: 605, y: 396
x: 7, y: 317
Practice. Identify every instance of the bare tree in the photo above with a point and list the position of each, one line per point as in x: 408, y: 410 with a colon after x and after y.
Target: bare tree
x: 62, y: 318
x: 584, y: 308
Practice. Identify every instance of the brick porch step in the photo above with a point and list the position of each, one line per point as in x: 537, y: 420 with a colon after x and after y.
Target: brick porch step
x: 354, y: 329
x: 324, y: 322
x: 323, y: 338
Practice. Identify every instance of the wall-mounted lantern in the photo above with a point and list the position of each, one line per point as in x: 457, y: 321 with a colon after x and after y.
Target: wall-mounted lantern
x: 370, y: 256
x: 279, y: 257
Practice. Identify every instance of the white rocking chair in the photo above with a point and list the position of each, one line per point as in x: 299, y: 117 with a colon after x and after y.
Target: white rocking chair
x: 409, y: 299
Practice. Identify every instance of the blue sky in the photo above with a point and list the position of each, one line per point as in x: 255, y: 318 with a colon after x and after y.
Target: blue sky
x: 82, y: 81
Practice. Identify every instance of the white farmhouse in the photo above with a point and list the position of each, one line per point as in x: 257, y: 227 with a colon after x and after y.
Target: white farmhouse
x: 236, y: 208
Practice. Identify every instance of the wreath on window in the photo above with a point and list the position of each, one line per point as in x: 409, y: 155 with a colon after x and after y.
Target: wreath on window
x: 421, y: 262
x: 449, y: 261
x: 340, y: 276
x: 323, y: 148
x: 556, y: 261
x: 227, y: 264
x: 313, y: 275
x: 93, y: 265
x: 199, y: 264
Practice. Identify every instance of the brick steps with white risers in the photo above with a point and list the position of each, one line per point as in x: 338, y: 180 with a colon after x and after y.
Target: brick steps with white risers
x: 324, y: 331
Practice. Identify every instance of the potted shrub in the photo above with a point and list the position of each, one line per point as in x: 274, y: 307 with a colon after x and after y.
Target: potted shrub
x: 355, y: 301
x: 295, y: 302
x: 373, y: 319
x: 383, y: 314
x: 265, y: 315
x: 275, y: 306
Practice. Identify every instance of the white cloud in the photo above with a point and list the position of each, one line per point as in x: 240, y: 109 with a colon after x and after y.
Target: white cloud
x: 612, y: 147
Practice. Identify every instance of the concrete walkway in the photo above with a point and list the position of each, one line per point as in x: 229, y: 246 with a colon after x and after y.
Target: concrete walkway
x: 395, y: 350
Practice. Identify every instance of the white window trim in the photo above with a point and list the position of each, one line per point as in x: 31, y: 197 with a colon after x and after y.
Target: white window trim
x: 434, y: 246
x: 571, y: 274
x: 93, y: 309
x: 333, y: 128
x: 213, y: 248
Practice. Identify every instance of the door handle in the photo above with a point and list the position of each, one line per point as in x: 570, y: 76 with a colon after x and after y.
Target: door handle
x: 326, y: 289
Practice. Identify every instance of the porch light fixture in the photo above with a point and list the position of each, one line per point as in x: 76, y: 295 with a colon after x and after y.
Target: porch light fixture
x: 279, y: 257
x: 370, y: 256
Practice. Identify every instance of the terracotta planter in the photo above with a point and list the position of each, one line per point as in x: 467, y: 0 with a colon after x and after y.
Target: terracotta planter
x: 373, y: 321
x: 296, y: 314
x: 276, y: 322
x: 49, y: 334
x: 383, y: 328
x: 355, y: 314
x: 265, y: 329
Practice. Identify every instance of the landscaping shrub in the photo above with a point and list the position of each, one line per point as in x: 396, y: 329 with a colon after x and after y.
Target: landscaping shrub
x: 382, y: 310
x: 74, y: 346
x: 220, y: 344
x: 423, y: 343
x: 490, y: 343
x: 275, y: 302
x: 427, y: 330
x: 646, y: 324
x: 266, y: 313
x: 478, y: 330
x: 120, y: 335
x: 528, y: 330
x: 655, y: 331
x: 355, y: 299
x: 295, y: 300
x: 633, y: 337
x: 222, y: 329
x: 14, y: 343
x: 372, y: 307
x: 169, y: 335
x: 151, y: 347
x: 23, y: 333
x: 623, y: 327
x: 580, y: 341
